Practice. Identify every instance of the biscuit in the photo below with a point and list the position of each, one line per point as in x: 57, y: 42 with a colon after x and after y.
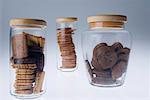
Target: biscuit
x: 24, y: 81
x: 24, y: 66
x: 105, y: 57
x: 19, y: 46
x: 26, y: 91
x: 39, y: 82
x: 18, y: 76
x: 101, y: 80
x: 25, y: 71
x: 124, y: 54
x: 23, y: 87
x: 102, y: 73
x: 28, y: 60
x: 119, y: 69
x: 23, y: 84
x: 117, y: 47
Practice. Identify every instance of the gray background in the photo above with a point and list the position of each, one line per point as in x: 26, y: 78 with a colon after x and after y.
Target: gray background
x: 138, y: 12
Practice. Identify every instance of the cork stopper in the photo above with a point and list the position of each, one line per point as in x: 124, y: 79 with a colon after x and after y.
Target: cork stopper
x: 114, y: 21
x: 66, y: 19
x: 26, y: 22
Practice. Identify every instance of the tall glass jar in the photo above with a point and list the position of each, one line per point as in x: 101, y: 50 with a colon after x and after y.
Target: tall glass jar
x: 27, y: 57
x: 67, y: 58
x: 106, y: 48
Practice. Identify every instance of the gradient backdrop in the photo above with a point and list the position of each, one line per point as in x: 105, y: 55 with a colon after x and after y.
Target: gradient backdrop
x: 75, y: 86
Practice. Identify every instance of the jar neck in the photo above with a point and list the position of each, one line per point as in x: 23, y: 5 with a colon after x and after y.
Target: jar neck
x: 66, y: 25
x: 106, y: 25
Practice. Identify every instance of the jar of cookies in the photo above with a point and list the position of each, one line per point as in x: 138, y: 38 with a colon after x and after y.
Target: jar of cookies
x: 67, y: 57
x: 27, y: 57
x: 106, y: 48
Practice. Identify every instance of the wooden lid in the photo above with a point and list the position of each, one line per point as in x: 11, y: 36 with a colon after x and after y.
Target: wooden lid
x: 66, y: 19
x: 28, y: 22
x: 105, y: 18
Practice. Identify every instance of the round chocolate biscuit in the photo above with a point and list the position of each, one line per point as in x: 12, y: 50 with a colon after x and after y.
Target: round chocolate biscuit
x: 105, y: 57
x: 101, y: 80
x: 119, y: 69
x: 98, y: 46
x: 125, y: 51
x: 124, y: 54
x: 117, y: 47
x: 102, y: 73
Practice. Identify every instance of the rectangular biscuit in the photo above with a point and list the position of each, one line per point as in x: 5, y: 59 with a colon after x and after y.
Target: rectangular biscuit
x: 19, y: 45
x: 39, y: 82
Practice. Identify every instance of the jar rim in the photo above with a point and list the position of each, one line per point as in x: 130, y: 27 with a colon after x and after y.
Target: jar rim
x: 66, y: 19
x: 28, y: 22
x: 107, y: 18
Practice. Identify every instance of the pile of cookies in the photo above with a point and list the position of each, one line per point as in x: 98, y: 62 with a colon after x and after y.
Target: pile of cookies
x: 108, y: 63
x: 28, y: 61
x: 67, y: 47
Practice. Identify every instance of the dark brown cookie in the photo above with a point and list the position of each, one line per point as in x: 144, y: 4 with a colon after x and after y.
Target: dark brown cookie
x: 105, y: 57
x: 119, y: 69
x: 102, y: 73
x: 124, y: 54
x: 28, y: 60
x: 98, y: 46
x: 101, y: 80
x: 117, y: 47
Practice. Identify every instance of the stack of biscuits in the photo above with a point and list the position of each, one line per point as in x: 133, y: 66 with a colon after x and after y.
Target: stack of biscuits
x: 67, y: 47
x: 108, y: 62
x: 28, y: 62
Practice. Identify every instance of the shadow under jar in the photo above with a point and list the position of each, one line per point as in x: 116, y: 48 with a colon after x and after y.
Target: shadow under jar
x: 27, y: 57
x: 67, y: 57
x: 106, y: 48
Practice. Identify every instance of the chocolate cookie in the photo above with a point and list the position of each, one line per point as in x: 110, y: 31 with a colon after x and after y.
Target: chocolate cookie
x: 124, y: 54
x: 119, y: 69
x: 117, y: 47
x: 24, y: 61
x: 104, y: 57
x: 102, y: 73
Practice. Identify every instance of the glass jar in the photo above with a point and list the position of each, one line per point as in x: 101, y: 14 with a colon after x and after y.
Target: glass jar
x: 27, y: 57
x: 106, y: 48
x: 67, y: 58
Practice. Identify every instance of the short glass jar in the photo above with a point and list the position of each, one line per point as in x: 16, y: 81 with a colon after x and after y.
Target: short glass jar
x: 106, y: 48
x: 67, y: 57
x: 27, y: 57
